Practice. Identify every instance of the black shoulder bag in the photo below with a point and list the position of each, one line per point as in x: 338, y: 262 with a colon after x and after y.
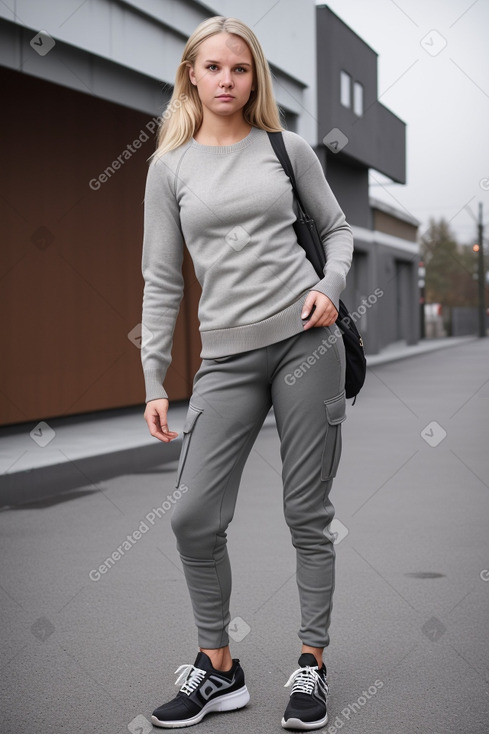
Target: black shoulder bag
x: 308, y: 237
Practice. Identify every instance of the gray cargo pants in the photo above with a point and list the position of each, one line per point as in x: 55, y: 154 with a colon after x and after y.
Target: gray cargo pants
x: 303, y: 378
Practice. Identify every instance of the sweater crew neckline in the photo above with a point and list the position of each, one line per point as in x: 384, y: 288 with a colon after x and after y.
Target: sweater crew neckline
x: 222, y: 149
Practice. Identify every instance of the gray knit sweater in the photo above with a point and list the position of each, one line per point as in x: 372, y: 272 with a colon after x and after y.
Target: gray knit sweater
x: 233, y: 207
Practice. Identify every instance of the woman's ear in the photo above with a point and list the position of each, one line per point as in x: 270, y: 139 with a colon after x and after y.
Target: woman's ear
x: 192, y: 76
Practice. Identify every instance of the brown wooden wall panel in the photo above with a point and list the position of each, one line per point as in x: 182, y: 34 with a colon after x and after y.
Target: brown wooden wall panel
x: 70, y: 262
x: 384, y: 222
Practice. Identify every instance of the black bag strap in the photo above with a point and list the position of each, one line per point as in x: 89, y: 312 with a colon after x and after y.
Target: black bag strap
x: 278, y: 145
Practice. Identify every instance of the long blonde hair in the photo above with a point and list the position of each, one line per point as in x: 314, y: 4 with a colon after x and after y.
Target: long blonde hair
x: 183, y: 115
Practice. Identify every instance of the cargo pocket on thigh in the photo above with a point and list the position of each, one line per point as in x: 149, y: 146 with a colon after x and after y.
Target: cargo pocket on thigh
x: 193, y: 414
x: 335, y: 409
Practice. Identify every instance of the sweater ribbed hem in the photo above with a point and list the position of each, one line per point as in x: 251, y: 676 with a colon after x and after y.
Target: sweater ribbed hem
x: 224, y: 342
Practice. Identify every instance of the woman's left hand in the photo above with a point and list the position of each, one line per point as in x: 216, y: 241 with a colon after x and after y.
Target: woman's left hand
x: 323, y: 310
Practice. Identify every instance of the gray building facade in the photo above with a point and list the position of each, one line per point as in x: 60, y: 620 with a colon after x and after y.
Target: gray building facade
x: 357, y: 133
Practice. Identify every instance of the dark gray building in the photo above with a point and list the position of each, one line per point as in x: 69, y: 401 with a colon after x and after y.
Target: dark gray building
x: 357, y: 133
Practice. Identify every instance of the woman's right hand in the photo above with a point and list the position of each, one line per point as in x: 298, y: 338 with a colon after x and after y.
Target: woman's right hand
x: 155, y: 416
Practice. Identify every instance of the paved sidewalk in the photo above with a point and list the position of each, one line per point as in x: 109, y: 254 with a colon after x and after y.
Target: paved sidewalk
x: 397, y: 351
x: 43, y: 458
x: 90, y: 636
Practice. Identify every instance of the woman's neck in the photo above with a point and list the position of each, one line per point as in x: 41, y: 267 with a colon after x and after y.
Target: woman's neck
x: 222, y: 131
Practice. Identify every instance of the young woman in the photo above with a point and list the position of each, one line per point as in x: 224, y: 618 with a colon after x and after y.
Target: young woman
x: 216, y: 185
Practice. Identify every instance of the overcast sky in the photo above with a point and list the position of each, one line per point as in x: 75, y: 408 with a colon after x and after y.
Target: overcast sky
x: 442, y: 93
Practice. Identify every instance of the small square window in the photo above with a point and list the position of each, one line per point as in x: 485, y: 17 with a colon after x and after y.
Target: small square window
x: 345, y: 89
x: 358, y: 99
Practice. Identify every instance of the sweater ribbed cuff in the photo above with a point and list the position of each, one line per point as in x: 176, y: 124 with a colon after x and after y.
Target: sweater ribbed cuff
x: 154, y: 387
x: 332, y: 286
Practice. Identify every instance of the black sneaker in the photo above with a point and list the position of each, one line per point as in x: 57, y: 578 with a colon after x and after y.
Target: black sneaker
x: 204, y: 690
x: 306, y: 709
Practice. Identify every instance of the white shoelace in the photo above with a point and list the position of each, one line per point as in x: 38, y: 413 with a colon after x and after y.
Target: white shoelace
x: 305, y: 679
x: 192, y: 677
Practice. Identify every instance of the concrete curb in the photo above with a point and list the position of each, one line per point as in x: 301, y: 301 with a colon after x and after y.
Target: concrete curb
x: 417, y: 350
x: 38, y: 483
x: 32, y: 485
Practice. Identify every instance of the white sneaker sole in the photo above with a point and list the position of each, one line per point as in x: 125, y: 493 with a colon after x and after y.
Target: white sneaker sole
x: 297, y: 724
x: 227, y: 702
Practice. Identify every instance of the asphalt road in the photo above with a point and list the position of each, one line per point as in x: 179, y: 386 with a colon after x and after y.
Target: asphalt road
x: 86, y: 651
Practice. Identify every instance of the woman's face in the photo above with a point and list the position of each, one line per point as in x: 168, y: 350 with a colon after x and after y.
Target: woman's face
x: 223, y: 74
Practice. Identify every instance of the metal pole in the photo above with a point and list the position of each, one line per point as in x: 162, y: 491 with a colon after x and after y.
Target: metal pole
x: 422, y: 298
x: 482, y: 275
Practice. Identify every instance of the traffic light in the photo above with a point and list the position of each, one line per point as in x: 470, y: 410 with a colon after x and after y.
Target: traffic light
x: 475, y: 248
